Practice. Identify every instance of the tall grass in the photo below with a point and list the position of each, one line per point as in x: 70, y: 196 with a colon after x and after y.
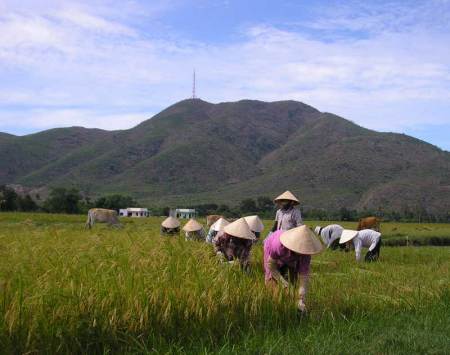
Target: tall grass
x: 66, y: 289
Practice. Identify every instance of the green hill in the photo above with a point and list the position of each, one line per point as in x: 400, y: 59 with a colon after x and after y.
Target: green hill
x: 195, y: 151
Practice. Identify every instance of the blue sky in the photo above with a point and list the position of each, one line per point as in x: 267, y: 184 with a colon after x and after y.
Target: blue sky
x: 111, y: 64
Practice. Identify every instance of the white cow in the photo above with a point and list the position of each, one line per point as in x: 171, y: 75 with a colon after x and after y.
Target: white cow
x: 102, y: 215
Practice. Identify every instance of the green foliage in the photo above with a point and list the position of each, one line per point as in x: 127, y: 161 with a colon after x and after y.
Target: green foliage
x: 62, y: 200
x: 11, y: 201
x: 206, y: 209
x: 265, y: 204
x: 224, y: 210
x: 115, y: 202
x: 247, y: 206
x: 8, y: 199
x: 68, y: 290
x: 262, y: 205
x: 26, y: 204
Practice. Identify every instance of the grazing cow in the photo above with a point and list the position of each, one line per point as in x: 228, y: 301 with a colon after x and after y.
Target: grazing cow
x: 212, y: 218
x: 102, y: 215
x: 369, y: 223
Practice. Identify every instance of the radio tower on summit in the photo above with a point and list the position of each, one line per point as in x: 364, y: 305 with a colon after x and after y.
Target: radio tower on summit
x: 194, y: 95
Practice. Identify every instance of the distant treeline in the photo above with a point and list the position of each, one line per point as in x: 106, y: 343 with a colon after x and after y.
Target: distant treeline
x: 61, y: 200
x: 64, y: 200
x: 265, y: 208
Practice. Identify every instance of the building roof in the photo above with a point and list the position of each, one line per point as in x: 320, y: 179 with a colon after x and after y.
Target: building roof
x: 137, y: 209
x: 185, y: 210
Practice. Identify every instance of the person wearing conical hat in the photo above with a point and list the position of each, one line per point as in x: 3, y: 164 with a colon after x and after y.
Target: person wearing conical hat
x: 330, y: 235
x: 170, y: 226
x: 194, y: 230
x: 366, y: 238
x: 234, y: 242
x: 255, y: 224
x: 216, y: 227
x: 287, y: 216
x: 287, y: 258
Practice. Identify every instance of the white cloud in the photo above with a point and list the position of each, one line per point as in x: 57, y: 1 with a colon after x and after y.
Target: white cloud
x: 44, y: 119
x: 92, y: 23
x: 392, y: 74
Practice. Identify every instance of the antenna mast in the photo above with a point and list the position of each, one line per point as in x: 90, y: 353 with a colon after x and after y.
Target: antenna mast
x: 194, y: 96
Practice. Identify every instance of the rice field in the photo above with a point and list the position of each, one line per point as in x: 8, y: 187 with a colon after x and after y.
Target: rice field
x: 64, y: 289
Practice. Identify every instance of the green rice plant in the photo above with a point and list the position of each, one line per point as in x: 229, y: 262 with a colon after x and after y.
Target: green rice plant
x: 64, y: 289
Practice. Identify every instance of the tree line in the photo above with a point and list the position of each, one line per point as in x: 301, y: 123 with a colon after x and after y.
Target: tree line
x: 265, y: 208
x: 70, y: 200
x: 61, y: 200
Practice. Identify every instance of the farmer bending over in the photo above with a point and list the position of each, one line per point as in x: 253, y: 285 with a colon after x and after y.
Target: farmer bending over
x: 170, y: 226
x: 235, y: 242
x: 287, y: 258
x: 216, y: 227
x: 367, y: 238
x: 194, y: 230
x: 255, y: 224
x: 330, y: 235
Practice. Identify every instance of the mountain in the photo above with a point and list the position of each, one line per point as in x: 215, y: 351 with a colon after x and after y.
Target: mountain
x: 195, y: 151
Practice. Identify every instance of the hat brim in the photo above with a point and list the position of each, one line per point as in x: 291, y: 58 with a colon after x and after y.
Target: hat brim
x: 347, y: 235
x: 255, y: 223
x: 192, y: 226
x: 239, y: 229
x: 192, y: 229
x: 288, y: 196
x: 220, y: 224
x: 170, y: 223
x: 302, y: 241
x: 287, y: 199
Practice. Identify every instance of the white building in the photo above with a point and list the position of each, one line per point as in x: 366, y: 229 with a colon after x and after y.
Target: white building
x: 134, y: 212
x: 183, y: 213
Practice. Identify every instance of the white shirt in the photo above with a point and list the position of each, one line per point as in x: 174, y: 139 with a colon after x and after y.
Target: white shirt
x: 366, y: 238
x: 211, y: 234
x: 330, y: 233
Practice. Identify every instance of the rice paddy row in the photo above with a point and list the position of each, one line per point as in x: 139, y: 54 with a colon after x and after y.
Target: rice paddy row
x: 66, y: 289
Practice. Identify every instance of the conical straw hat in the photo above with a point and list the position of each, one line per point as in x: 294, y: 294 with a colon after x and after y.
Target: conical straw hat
x: 301, y: 240
x: 239, y: 229
x: 170, y: 222
x: 347, y: 235
x: 192, y: 226
x: 287, y: 196
x: 255, y: 224
x: 220, y: 224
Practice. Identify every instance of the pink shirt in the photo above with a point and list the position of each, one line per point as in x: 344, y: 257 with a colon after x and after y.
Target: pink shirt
x: 283, y: 256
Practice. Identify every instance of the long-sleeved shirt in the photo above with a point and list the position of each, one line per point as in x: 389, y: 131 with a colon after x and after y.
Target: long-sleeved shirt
x: 366, y: 238
x: 288, y: 219
x: 273, y: 249
x: 233, y: 248
x: 330, y: 233
x: 211, y: 234
x: 197, y: 235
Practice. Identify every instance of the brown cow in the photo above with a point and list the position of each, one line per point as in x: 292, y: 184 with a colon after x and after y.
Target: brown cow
x: 369, y: 223
x: 210, y: 219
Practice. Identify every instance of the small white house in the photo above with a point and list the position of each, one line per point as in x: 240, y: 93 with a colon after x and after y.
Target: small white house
x: 183, y: 213
x: 134, y: 212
